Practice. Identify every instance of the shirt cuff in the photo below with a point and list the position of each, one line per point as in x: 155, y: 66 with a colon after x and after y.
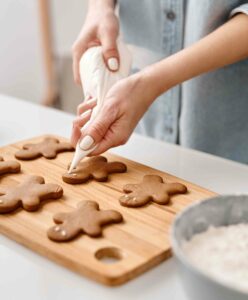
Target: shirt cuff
x: 240, y: 9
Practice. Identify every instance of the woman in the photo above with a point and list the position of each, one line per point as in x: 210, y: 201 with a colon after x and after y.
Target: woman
x: 208, y: 112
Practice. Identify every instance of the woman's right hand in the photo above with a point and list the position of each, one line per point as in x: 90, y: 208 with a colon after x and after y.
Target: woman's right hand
x: 100, y: 28
x: 121, y: 109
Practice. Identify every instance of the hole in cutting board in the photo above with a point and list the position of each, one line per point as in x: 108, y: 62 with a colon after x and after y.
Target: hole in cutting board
x: 109, y: 255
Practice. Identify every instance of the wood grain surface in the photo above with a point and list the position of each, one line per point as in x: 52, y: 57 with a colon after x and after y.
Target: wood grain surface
x: 139, y: 243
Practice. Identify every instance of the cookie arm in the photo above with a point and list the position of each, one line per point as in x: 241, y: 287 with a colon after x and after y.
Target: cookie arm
x: 30, y: 203
x: 60, y: 217
x: 64, y: 147
x: 152, y: 178
x: 109, y: 216
x: 9, y: 167
x: 28, y: 146
x: 128, y: 188
x: 176, y: 188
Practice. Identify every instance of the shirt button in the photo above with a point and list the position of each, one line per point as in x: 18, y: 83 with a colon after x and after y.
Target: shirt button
x: 170, y: 15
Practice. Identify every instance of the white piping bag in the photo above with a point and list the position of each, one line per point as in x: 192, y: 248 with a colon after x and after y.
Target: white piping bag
x: 97, y: 80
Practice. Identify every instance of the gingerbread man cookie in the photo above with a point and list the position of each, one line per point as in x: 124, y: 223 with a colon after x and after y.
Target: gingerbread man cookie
x: 152, y: 188
x: 49, y: 148
x: 87, y: 218
x: 28, y: 194
x: 96, y: 167
x: 9, y: 166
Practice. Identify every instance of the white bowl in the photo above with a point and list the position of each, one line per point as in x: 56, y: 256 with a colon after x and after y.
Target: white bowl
x: 196, y: 218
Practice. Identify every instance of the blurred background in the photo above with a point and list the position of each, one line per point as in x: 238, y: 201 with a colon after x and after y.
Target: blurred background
x: 35, y: 52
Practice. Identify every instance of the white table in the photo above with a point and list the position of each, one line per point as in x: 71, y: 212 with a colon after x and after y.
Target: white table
x: 26, y: 275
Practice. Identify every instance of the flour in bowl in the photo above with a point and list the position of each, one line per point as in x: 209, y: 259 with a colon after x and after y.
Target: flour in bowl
x: 221, y: 253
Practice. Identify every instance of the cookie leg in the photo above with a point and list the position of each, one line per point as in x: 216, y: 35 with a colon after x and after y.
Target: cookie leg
x: 161, y: 198
x: 31, y: 203
x: 100, y: 175
x: 93, y: 230
x: 49, y: 153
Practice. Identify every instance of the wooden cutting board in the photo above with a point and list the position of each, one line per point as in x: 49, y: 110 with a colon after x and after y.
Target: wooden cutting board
x: 138, y: 244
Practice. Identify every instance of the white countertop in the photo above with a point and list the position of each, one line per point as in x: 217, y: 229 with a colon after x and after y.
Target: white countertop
x: 26, y: 275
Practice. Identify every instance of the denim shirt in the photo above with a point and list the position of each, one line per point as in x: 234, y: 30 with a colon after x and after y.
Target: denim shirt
x: 209, y: 112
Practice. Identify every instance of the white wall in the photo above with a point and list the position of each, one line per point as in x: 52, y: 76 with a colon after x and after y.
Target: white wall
x: 21, y: 68
x: 20, y: 63
x: 68, y: 17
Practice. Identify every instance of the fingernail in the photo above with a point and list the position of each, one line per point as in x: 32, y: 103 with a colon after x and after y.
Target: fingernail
x: 86, y: 98
x: 113, y: 64
x: 86, y: 113
x: 86, y: 142
x: 91, y: 100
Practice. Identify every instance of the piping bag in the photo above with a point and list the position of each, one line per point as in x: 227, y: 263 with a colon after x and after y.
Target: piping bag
x: 97, y: 79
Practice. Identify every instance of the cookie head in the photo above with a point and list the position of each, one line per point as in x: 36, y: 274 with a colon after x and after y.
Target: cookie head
x: 97, y: 168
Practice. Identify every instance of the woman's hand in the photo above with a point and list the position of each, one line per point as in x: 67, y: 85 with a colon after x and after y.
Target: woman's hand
x: 123, y: 107
x: 100, y: 28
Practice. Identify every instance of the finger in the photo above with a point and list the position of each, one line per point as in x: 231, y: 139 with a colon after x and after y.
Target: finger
x: 75, y: 136
x: 103, y: 146
x: 81, y: 120
x: 87, y: 97
x: 110, y: 49
x: 78, y: 123
x: 97, y: 128
x: 86, y: 105
x: 75, y: 66
x: 78, y: 48
x: 113, y: 138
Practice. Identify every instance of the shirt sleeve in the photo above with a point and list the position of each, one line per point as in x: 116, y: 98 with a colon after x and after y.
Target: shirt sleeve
x: 240, y: 9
